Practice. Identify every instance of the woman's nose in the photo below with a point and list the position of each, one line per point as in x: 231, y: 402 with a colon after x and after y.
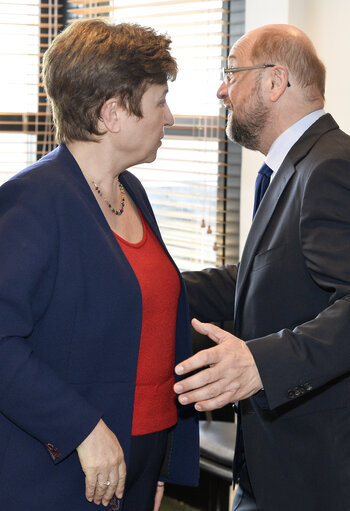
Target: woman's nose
x: 169, y: 118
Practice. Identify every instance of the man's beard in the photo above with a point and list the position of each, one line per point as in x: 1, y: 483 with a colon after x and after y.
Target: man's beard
x: 247, y: 132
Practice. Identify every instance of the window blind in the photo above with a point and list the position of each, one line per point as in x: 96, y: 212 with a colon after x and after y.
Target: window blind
x: 194, y: 175
x: 27, y: 28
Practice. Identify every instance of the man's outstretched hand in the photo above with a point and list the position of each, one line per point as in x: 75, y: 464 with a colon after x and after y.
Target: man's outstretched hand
x: 228, y: 371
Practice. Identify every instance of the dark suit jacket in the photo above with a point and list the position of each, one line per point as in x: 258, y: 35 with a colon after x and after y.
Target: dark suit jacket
x: 70, y: 322
x: 292, y: 305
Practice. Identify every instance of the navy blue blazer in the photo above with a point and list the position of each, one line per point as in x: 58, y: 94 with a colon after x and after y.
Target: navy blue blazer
x: 70, y: 323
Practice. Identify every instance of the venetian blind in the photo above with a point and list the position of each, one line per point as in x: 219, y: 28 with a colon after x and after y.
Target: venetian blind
x: 27, y: 28
x: 192, y: 178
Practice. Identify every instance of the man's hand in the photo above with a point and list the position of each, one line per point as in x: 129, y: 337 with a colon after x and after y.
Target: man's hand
x: 102, y: 460
x: 228, y: 374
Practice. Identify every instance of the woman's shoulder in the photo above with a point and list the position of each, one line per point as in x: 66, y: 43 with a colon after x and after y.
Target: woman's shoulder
x: 53, y: 182
x: 55, y: 174
x: 49, y: 169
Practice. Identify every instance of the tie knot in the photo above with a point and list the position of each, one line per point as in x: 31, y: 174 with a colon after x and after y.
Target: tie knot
x: 265, y: 170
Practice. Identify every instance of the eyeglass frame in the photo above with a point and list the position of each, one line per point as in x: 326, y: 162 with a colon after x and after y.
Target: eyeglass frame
x: 226, y: 70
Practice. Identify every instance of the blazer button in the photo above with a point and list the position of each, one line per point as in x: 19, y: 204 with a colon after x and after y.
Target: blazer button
x: 291, y: 394
x: 307, y: 387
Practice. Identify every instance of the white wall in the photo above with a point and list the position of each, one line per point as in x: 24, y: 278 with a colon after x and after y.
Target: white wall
x: 327, y: 23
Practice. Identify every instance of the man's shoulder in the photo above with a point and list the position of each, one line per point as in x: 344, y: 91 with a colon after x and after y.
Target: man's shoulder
x: 323, y: 140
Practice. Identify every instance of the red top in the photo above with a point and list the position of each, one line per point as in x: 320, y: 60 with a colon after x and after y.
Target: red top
x: 155, y: 402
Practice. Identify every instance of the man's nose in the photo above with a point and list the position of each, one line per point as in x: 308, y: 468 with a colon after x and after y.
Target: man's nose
x: 222, y: 91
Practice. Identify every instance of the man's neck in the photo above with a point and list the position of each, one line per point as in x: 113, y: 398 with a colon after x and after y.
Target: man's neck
x: 281, y: 123
x: 282, y: 145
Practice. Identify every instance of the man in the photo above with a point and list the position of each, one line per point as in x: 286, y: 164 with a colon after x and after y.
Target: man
x: 288, y: 363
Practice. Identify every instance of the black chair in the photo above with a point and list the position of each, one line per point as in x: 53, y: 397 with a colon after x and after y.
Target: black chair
x: 217, y: 441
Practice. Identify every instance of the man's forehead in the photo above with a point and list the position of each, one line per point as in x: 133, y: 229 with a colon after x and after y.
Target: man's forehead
x: 231, y: 62
x: 234, y: 56
x: 239, y: 53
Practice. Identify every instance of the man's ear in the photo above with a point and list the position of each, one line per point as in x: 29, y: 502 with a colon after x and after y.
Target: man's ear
x: 110, y: 115
x: 278, y: 81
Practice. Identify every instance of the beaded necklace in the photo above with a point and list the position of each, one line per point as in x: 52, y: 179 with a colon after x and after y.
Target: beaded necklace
x: 117, y: 212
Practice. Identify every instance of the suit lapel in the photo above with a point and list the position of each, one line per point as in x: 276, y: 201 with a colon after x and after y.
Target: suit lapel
x: 261, y: 221
x: 272, y: 196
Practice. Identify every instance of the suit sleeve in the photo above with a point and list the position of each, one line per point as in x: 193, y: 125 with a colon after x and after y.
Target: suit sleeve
x: 32, y: 396
x: 315, y: 354
x: 211, y: 293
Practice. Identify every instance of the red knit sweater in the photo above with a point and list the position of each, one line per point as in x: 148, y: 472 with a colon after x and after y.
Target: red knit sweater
x: 154, y: 402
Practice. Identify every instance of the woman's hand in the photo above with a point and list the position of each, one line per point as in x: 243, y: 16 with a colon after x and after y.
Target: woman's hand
x: 158, y: 496
x: 102, y: 460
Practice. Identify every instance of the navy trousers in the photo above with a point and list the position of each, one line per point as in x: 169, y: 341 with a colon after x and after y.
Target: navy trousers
x: 146, y: 457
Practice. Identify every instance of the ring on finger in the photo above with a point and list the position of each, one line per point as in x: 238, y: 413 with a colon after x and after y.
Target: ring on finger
x: 106, y: 483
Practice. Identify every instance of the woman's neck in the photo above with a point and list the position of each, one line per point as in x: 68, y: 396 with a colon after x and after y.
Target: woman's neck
x: 95, y: 161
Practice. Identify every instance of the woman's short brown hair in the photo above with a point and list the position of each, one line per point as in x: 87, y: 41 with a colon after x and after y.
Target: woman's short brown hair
x: 91, y: 61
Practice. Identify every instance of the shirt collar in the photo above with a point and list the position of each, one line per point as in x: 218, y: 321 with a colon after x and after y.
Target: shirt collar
x: 282, y: 145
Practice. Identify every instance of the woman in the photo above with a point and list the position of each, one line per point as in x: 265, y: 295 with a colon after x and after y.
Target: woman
x: 93, y: 312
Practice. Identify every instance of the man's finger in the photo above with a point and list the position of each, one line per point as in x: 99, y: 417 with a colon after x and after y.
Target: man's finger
x: 201, y: 359
x: 206, y: 392
x: 196, y: 381
x: 205, y: 357
x: 214, y: 333
x: 215, y: 403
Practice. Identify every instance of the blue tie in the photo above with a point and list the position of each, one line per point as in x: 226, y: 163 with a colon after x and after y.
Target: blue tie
x: 261, y: 184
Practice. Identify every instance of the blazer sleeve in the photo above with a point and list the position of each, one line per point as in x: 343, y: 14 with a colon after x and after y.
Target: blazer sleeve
x: 32, y: 396
x: 211, y: 293
x: 295, y: 362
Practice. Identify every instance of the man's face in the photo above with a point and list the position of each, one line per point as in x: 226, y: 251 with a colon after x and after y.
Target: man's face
x: 247, y: 120
x: 244, y: 98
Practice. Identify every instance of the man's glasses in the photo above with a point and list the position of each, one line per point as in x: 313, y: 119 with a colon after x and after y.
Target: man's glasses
x: 228, y: 72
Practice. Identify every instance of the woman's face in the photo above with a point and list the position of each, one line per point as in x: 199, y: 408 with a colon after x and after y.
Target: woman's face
x: 143, y: 136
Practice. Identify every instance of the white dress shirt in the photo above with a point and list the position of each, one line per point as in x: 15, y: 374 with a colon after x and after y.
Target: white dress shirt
x: 282, y: 145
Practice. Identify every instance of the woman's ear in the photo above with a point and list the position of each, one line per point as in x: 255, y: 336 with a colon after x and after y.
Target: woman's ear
x: 278, y: 81
x: 110, y: 115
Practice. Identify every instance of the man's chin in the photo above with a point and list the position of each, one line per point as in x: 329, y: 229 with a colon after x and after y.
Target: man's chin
x: 241, y: 136
x: 229, y: 127
x: 233, y: 133
x: 234, y: 130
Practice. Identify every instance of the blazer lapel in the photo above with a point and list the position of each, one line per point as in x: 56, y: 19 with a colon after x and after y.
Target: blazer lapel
x: 140, y: 199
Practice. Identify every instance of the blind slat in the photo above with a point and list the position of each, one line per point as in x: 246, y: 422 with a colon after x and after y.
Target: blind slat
x: 123, y: 4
